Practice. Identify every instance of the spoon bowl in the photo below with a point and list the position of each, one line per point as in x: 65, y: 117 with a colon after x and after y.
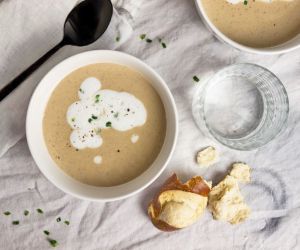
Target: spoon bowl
x: 87, y: 22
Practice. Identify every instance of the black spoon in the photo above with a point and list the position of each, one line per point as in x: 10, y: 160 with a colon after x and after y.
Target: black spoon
x: 84, y: 25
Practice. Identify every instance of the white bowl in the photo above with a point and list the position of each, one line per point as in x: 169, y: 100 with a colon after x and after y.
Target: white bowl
x: 288, y: 46
x: 37, y: 146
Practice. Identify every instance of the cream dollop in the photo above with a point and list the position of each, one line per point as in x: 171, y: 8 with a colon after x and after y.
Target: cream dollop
x: 134, y: 138
x: 102, y: 109
x: 98, y: 159
x: 266, y: 1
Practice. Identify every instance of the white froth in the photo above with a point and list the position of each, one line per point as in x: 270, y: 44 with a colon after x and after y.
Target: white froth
x: 102, y: 109
x: 98, y: 159
x: 134, y: 138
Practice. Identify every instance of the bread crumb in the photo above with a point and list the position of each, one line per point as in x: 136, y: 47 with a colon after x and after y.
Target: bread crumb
x: 241, y: 172
x: 207, y: 157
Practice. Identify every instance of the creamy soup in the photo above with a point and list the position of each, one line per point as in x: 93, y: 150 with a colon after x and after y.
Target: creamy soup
x: 104, y: 124
x: 257, y: 23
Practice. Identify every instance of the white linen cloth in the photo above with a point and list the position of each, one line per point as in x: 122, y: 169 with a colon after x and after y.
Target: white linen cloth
x: 191, y: 50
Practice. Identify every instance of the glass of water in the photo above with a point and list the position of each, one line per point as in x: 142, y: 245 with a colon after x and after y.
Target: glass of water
x: 243, y: 106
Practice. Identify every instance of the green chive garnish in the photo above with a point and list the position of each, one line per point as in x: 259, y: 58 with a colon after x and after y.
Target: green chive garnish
x: 164, y: 45
x: 117, y: 39
x: 97, y: 98
x: 196, y: 79
x: 90, y: 120
x: 108, y: 124
x: 7, y: 213
x: 148, y: 40
x: 67, y: 222
x: 53, y: 243
x: 245, y: 2
x: 143, y: 36
x: 81, y: 90
x: 73, y: 119
x: 58, y: 219
x: 15, y: 222
x: 46, y: 232
x: 40, y: 211
x: 26, y: 212
x: 94, y: 117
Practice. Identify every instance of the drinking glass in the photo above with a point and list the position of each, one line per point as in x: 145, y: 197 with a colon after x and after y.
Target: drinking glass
x: 243, y: 106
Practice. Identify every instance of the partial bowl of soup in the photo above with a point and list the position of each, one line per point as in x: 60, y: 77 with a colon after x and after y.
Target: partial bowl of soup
x: 255, y: 26
x: 102, y: 125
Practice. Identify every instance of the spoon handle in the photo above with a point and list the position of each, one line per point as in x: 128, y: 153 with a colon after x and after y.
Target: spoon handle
x: 7, y: 89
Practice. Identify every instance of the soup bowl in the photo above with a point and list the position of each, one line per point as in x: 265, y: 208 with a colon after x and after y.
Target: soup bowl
x: 288, y: 46
x: 38, y: 148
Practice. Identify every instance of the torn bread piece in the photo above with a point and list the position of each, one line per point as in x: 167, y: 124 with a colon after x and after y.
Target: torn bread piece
x: 179, y: 205
x: 207, y: 157
x: 225, y: 199
x: 241, y: 172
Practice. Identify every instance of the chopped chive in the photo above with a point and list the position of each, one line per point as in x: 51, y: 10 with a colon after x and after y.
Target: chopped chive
x: 196, y: 79
x: 7, y: 213
x: 116, y: 115
x: 15, y: 222
x: 90, y: 120
x: 97, y: 98
x: 26, y: 212
x: 73, y: 119
x: 164, y: 45
x: 53, y: 243
x: 148, y: 40
x: 94, y: 117
x: 40, y: 211
x: 117, y: 39
x: 245, y: 2
x: 58, y: 219
x: 46, y: 232
x: 67, y: 222
x: 80, y: 89
x: 143, y: 36
x: 108, y: 124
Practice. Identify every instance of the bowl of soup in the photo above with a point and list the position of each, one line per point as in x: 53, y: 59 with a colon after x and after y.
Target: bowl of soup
x: 260, y: 26
x: 101, y: 125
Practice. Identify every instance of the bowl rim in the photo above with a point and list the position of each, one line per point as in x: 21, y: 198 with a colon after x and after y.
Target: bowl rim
x: 173, y: 137
x: 261, y: 51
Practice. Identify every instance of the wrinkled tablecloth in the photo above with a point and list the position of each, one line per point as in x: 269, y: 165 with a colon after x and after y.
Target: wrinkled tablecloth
x: 191, y: 50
